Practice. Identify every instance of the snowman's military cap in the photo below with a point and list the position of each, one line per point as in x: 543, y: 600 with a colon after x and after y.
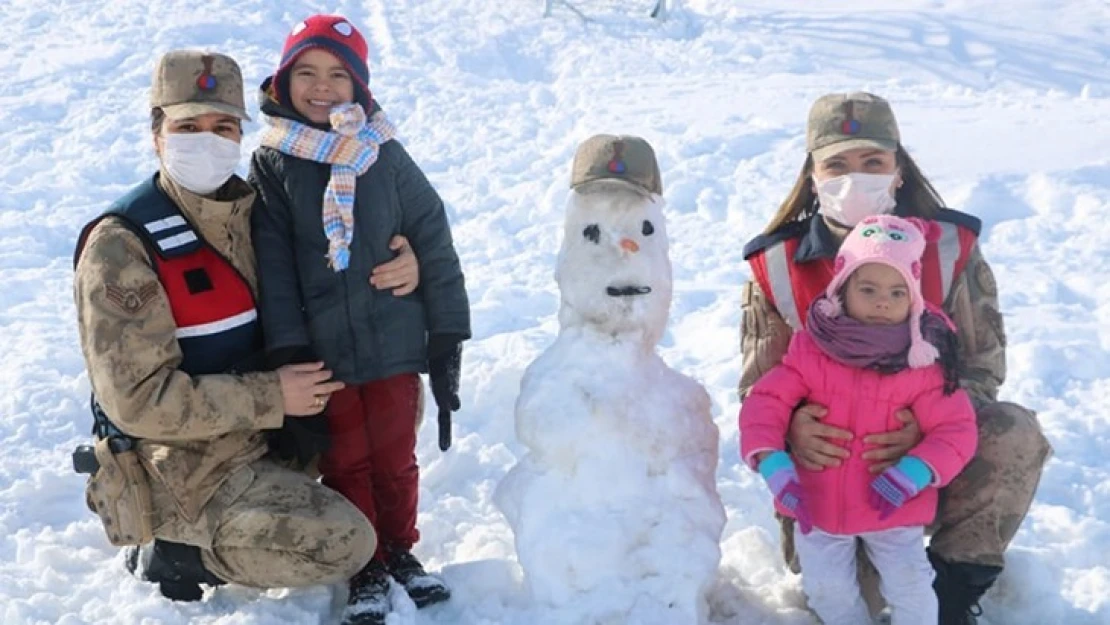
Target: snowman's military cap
x: 617, y: 157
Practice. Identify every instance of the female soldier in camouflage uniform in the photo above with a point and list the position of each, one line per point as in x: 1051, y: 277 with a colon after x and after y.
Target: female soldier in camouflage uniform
x: 165, y: 284
x: 856, y: 166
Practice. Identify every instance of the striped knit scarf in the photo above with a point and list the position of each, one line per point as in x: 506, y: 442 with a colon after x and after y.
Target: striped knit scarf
x: 350, y: 148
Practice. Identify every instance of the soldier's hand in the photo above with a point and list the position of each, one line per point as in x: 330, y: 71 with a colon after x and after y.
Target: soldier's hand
x: 305, y: 388
x: 889, y: 447
x: 811, y: 442
x: 402, y: 274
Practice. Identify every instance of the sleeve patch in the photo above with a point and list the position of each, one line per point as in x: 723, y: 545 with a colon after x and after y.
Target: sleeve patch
x: 132, y: 300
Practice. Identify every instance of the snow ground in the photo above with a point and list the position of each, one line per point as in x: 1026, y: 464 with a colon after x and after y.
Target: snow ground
x: 1003, y: 105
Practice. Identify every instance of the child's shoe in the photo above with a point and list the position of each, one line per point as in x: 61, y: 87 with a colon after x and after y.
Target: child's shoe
x: 368, y: 602
x: 424, y: 589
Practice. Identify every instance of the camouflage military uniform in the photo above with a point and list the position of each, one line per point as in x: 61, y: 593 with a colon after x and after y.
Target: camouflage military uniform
x: 981, y: 509
x: 256, y: 523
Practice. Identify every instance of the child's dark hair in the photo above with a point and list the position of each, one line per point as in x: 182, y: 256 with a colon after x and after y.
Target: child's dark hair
x: 936, y: 331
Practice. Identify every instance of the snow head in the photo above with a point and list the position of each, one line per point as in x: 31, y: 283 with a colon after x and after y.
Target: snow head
x: 614, y: 272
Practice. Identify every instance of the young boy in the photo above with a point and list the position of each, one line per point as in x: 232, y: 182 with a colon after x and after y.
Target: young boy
x: 337, y: 188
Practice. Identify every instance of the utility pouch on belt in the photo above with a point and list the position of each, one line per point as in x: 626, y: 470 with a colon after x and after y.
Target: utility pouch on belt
x: 119, y: 493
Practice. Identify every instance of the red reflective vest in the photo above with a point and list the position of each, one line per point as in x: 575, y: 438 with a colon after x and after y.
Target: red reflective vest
x: 212, y: 304
x: 792, y: 286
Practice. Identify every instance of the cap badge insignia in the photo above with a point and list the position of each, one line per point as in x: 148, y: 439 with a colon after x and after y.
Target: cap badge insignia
x: 850, y: 125
x: 616, y: 164
x: 206, y: 81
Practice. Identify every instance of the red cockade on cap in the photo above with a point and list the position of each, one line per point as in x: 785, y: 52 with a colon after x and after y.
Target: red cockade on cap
x: 850, y: 125
x: 207, y: 81
x: 616, y: 164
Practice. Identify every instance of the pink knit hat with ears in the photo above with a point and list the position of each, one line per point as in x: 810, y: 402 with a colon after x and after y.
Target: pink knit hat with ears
x: 898, y: 243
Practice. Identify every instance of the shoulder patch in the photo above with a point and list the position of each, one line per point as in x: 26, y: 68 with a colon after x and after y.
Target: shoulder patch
x: 131, y: 300
x: 789, y: 231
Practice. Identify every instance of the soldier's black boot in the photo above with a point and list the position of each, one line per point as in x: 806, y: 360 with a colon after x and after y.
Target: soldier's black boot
x: 175, y: 567
x: 959, y: 586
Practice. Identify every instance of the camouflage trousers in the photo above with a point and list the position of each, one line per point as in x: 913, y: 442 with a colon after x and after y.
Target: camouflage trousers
x: 979, y: 511
x: 285, y: 529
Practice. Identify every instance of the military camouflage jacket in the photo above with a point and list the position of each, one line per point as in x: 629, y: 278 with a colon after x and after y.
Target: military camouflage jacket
x: 972, y: 304
x: 198, y: 432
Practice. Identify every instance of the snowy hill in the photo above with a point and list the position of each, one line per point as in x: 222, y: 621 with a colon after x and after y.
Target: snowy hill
x: 1004, y: 105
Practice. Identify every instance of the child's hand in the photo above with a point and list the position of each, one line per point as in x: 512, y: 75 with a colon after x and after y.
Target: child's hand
x: 898, y: 484
x: 778, y: 470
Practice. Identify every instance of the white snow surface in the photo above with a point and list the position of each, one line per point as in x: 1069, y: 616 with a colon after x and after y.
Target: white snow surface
x: 1003, y: 104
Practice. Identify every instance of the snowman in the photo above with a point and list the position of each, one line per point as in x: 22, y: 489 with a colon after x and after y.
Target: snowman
x: 614, y: 506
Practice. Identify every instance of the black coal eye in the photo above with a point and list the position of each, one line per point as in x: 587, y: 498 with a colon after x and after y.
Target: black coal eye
x: 648, y: 229
x: 592, y: 232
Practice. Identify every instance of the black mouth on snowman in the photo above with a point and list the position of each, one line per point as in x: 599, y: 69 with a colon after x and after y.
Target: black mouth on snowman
x: 627, y: 291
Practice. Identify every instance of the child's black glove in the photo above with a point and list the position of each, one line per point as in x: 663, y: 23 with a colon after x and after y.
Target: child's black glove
x: 444, y: 370
x: 301, y: 440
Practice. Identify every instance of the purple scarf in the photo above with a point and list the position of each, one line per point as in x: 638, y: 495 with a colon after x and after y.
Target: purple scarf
x: 881, y: 347
x: 857, y: 344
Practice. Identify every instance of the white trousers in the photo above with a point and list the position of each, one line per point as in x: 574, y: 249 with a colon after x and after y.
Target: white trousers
x: 905, y: 575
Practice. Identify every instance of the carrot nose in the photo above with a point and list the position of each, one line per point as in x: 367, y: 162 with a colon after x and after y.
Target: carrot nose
x: 629, y: 245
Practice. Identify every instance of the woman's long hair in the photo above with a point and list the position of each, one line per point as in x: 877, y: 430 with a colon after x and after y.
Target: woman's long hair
x: 916, y: 197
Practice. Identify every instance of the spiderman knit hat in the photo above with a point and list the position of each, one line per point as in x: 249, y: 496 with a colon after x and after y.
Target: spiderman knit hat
x: 898, y: 243
x: 334, y: 34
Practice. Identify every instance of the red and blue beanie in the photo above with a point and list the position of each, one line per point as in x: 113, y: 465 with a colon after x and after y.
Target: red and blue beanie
x: 334, y: 34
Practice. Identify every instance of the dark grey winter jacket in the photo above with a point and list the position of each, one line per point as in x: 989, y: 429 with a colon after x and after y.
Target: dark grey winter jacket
x: 360, y: 333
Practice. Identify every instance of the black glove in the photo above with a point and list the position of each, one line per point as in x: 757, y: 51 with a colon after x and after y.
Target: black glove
x: 444, y: 369
x: 300, y: 440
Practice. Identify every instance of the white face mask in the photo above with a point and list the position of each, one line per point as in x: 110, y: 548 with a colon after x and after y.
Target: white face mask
x: 850, y: 198
x: 199, y: 161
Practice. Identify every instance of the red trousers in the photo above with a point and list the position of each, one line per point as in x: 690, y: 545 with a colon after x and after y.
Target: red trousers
x: 372, y: 460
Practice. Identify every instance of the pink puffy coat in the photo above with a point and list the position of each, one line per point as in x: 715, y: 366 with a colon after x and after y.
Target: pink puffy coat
x: 862, y: 401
